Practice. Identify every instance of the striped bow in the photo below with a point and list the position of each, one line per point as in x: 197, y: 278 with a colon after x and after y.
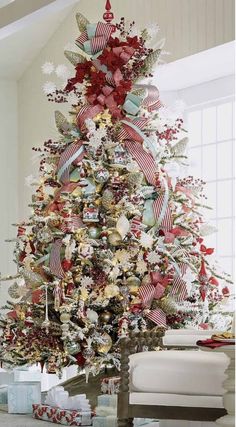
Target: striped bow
x: 55, y: 259
x: 74, y: 152
x: 94, y: 38
x: 72, y: 223
x: 179, y: 288
x: 155, y: 289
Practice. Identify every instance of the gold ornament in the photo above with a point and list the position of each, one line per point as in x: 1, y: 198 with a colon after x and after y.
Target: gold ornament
x: 135, y: 179
x: 105, y: 317
x: 107, y: 199
x: 106, y: 345
x: 111, y: 291
x: 62, y: 123
x: 14, y: 291
x: 133, y: 283
x: 114, y: 238
x: 82, y: 22
x: 74, y: 57
x: 65, y: 317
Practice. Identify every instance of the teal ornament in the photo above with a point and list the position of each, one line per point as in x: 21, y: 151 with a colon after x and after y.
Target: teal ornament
x: 94, y: 232
x: 132, y: 104
x: 148, y: 214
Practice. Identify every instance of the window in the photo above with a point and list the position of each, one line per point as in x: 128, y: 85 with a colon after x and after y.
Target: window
x: 211, y: 157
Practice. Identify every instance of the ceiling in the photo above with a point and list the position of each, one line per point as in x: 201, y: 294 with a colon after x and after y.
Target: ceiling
x: 22, y: 21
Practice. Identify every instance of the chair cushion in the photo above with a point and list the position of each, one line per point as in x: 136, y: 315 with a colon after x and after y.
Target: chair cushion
x: 162, y: 399
x: 178, y: 372
x: 185, y: 337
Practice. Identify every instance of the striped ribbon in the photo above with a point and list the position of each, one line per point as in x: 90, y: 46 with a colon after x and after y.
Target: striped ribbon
x: 72, y: 223
x: 179, y: 289
x: 158, y: 317
x: 75, y: 151
x: 88, y: 112
x: 161, y: 209
x: 151, y: 100
x: 150, y: 291
x: 94, y: 38
x: 55, y: 259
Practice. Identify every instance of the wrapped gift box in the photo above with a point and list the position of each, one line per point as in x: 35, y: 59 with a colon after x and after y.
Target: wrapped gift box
x: 3, y: 395
x: 23, y: 375
x: 62, y: 416
x: 108, y: 400
x: 22, y: 395
x: 110, y: 421
x: 110, y: 385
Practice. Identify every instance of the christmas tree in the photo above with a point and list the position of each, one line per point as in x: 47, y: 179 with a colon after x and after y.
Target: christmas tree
x: 115, y: 239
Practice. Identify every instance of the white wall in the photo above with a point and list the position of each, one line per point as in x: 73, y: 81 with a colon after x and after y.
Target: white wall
x: 8, y: 177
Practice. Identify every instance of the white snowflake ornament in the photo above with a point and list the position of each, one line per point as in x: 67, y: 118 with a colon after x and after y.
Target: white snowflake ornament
x: 146, y: 240
x: 62, y: 71
x: 47, y: 68
x: 86, y: 282
x: 153, y: 257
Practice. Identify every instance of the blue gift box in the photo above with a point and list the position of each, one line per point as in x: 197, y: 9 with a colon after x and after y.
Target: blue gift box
x: 107, y: 400
x: 22, y: 395
x: 110, y: 421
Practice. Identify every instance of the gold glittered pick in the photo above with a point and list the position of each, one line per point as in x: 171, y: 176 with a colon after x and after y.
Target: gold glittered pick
x: 62, y: 123
x: 74, y: 57
x: 82, y: 22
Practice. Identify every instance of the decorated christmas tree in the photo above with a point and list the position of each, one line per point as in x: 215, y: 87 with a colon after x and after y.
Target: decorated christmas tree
x: 115, y: 239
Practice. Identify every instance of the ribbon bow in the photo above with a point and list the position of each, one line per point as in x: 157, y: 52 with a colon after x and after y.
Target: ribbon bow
x: 154, y: 290
x: 94, y: 38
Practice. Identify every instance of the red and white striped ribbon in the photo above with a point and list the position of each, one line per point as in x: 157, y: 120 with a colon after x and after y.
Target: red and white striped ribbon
x: 151, y: 101
x: 136, y: 226
x: 55, y: 259
x: 179, y: 289
x: 158, y: 317
x: 88, y: 112
x: 72, y: 223
x: 127, y: 132
x: 99, y: 41
x: 166, y: 223
x: 145, y: 160
x: 67, y: 157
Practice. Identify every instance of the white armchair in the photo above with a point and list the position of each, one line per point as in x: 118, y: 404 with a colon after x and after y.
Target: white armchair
x: 170, y: 385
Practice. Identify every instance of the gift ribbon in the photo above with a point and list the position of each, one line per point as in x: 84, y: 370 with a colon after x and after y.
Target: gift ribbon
x: 94, y: 38
x: 55, y: 259
x: 151, y: 101
x: 75, y: 151
x: 162, y: 212
x: 179, y: 289
x: 150, y: 291
x: 88, y: 112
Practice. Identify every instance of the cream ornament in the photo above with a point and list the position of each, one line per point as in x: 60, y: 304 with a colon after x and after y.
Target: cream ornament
x: 111, y: 291
x: 123, y: 226
x: 92, y: 316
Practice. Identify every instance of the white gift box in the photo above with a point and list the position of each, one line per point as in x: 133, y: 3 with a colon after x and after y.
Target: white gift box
x: 6, y: 377
x: 23, y: 375
x: 22, y: 395
x: 107, y: 400
x: 110, y: 421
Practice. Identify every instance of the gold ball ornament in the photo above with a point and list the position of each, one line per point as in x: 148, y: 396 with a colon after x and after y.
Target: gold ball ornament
x: 111, y: 291
x: 133, y: 283
x: 105, y: 317
x: 114, y: 238
x: 106, y: 345
x: 65, y: 317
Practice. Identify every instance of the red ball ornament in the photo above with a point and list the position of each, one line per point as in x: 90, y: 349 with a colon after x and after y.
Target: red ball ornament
x: 80, y: 359
x: 66, y: 264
